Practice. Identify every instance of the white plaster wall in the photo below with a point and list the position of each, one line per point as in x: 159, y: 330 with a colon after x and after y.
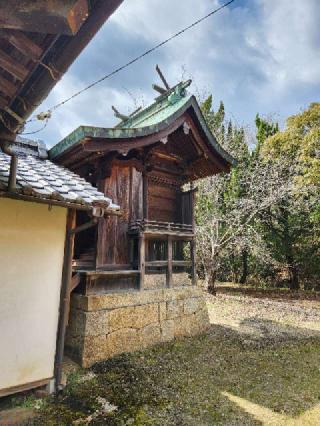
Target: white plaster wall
x: 31, y: 257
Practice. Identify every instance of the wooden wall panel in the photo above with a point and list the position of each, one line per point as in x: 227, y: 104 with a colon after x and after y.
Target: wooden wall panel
x: 164, y: 203
x: 187, y: 207
x: 113, y: 231
x: 136, y: 194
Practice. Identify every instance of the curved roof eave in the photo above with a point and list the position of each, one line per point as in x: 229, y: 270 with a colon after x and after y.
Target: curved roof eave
x: 176, y: 111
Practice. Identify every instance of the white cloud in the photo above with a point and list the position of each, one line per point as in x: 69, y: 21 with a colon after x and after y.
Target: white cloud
x: 291, y: 28
x: 258, y: 56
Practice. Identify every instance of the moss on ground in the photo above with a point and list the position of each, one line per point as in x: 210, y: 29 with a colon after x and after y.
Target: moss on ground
x: 259, y: 364
x: 188, y: 383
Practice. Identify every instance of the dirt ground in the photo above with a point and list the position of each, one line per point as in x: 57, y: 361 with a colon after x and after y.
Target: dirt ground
x: 259, y: 364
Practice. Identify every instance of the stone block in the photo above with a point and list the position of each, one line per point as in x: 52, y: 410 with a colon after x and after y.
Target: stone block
x: 162, y: 311
x: 102, y: 326
x: 134, y: 298
x: 193, y: 305
x: 181, y: 279
x: 202, y: 320
x: 96, y: 323
x: 155, y: 281
x: 124, y: 340
x: 167, y: 330
x: 133, y: 317
x: 174, y: 309
x: 95, y: 349
x: 183, y: 326
x: 87, y: 323
x: 150, y: 335
x: 78, y: 301
x: 77, y: 322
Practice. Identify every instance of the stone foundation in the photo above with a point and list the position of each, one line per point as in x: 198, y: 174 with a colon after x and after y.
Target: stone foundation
x: 102, y: 326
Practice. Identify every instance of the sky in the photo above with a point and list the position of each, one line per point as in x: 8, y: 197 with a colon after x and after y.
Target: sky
x: 257, y: 56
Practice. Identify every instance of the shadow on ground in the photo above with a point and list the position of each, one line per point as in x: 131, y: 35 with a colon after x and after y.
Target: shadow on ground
x: 225, y: 376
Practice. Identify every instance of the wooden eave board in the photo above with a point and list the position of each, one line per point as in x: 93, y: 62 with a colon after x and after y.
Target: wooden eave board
x: 123, y: 139
x: 24, y: 81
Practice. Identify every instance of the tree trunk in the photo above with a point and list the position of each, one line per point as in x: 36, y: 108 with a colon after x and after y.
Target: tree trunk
x: 293, y: 277
x: 244, y: 274
x: 289, y: 254
x: 211, y: 283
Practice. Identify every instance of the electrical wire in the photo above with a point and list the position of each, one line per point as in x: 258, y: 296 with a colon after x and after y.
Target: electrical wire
x: 36, y: 131
x: 137, y: 58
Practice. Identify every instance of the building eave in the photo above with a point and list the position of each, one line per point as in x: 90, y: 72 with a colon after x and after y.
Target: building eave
x: 160, y: 122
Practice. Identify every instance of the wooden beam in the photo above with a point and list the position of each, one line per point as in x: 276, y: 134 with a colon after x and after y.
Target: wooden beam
x: 126, y: 145
x: 3, y: 102
x: 145, y: 194
x: 199, y: 141
x: 75, y: 281
x: 24, y: 387
x: 13, y: 67
x: 103, y: 273
x: 159, y: 89
x: 44, y: 16
x: 169, y: 270
x: 61, y: 52
x: 7, y: 87
x: 142, y: 256
x: 193, y: 262
x: 65, y: 292
x: 13, y: 114
x: 169, y: 157
x: 164, y: 81
x: 157, y: 263
x: 22, y: 43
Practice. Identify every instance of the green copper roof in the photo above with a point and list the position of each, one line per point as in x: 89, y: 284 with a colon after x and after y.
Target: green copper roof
x: 152, y: 119
x: 164, y: 107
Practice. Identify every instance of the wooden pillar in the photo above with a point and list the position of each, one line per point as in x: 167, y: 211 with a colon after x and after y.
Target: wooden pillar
x: 193, y: 262
x: 64, y: 295
x: 142, y: 255
x: 169, y: 267
x: 145, y: 194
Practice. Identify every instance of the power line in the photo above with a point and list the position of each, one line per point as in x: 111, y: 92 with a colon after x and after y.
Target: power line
x: 36, y: 131
x: 137, y: 58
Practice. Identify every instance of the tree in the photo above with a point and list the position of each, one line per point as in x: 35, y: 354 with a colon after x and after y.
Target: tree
x: 223, y: 225
x: 263, y: 218
x: 228, y: 205
x: 292, y: 228
x: 265, y: 129
x: 299, y: 142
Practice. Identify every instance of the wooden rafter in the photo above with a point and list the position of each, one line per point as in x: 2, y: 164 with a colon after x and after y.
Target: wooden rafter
x: 205, y: 151
x: 13, y: 67
x: 3, y: 102
x: 22, y: 43
x: 7, y: 87
x: 43, y: 16
x: 124, y: 146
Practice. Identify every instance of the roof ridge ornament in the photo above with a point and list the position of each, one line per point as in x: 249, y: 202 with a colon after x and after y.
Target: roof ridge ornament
x: 118, y: 114
x: 159, y: 89
x: 178, y: 92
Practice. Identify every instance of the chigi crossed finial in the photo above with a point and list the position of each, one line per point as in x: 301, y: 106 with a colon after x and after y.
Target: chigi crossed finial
x: 159, y: 89
x: 166, y: 88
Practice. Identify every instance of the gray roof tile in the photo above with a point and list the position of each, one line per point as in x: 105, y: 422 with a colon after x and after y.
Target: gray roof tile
x: 43, y: 179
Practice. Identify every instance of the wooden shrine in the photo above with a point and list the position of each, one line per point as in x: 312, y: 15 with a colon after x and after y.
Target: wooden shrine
x: 134, y: 274
x: 147, y: 164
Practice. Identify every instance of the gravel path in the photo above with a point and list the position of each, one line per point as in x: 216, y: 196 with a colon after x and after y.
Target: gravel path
x: 258, y: 319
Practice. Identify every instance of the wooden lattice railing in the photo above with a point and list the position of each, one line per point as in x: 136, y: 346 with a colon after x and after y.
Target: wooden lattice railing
x: 154, y: 226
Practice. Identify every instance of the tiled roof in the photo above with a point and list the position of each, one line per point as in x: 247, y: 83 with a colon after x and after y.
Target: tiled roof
x: 40, y: 178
